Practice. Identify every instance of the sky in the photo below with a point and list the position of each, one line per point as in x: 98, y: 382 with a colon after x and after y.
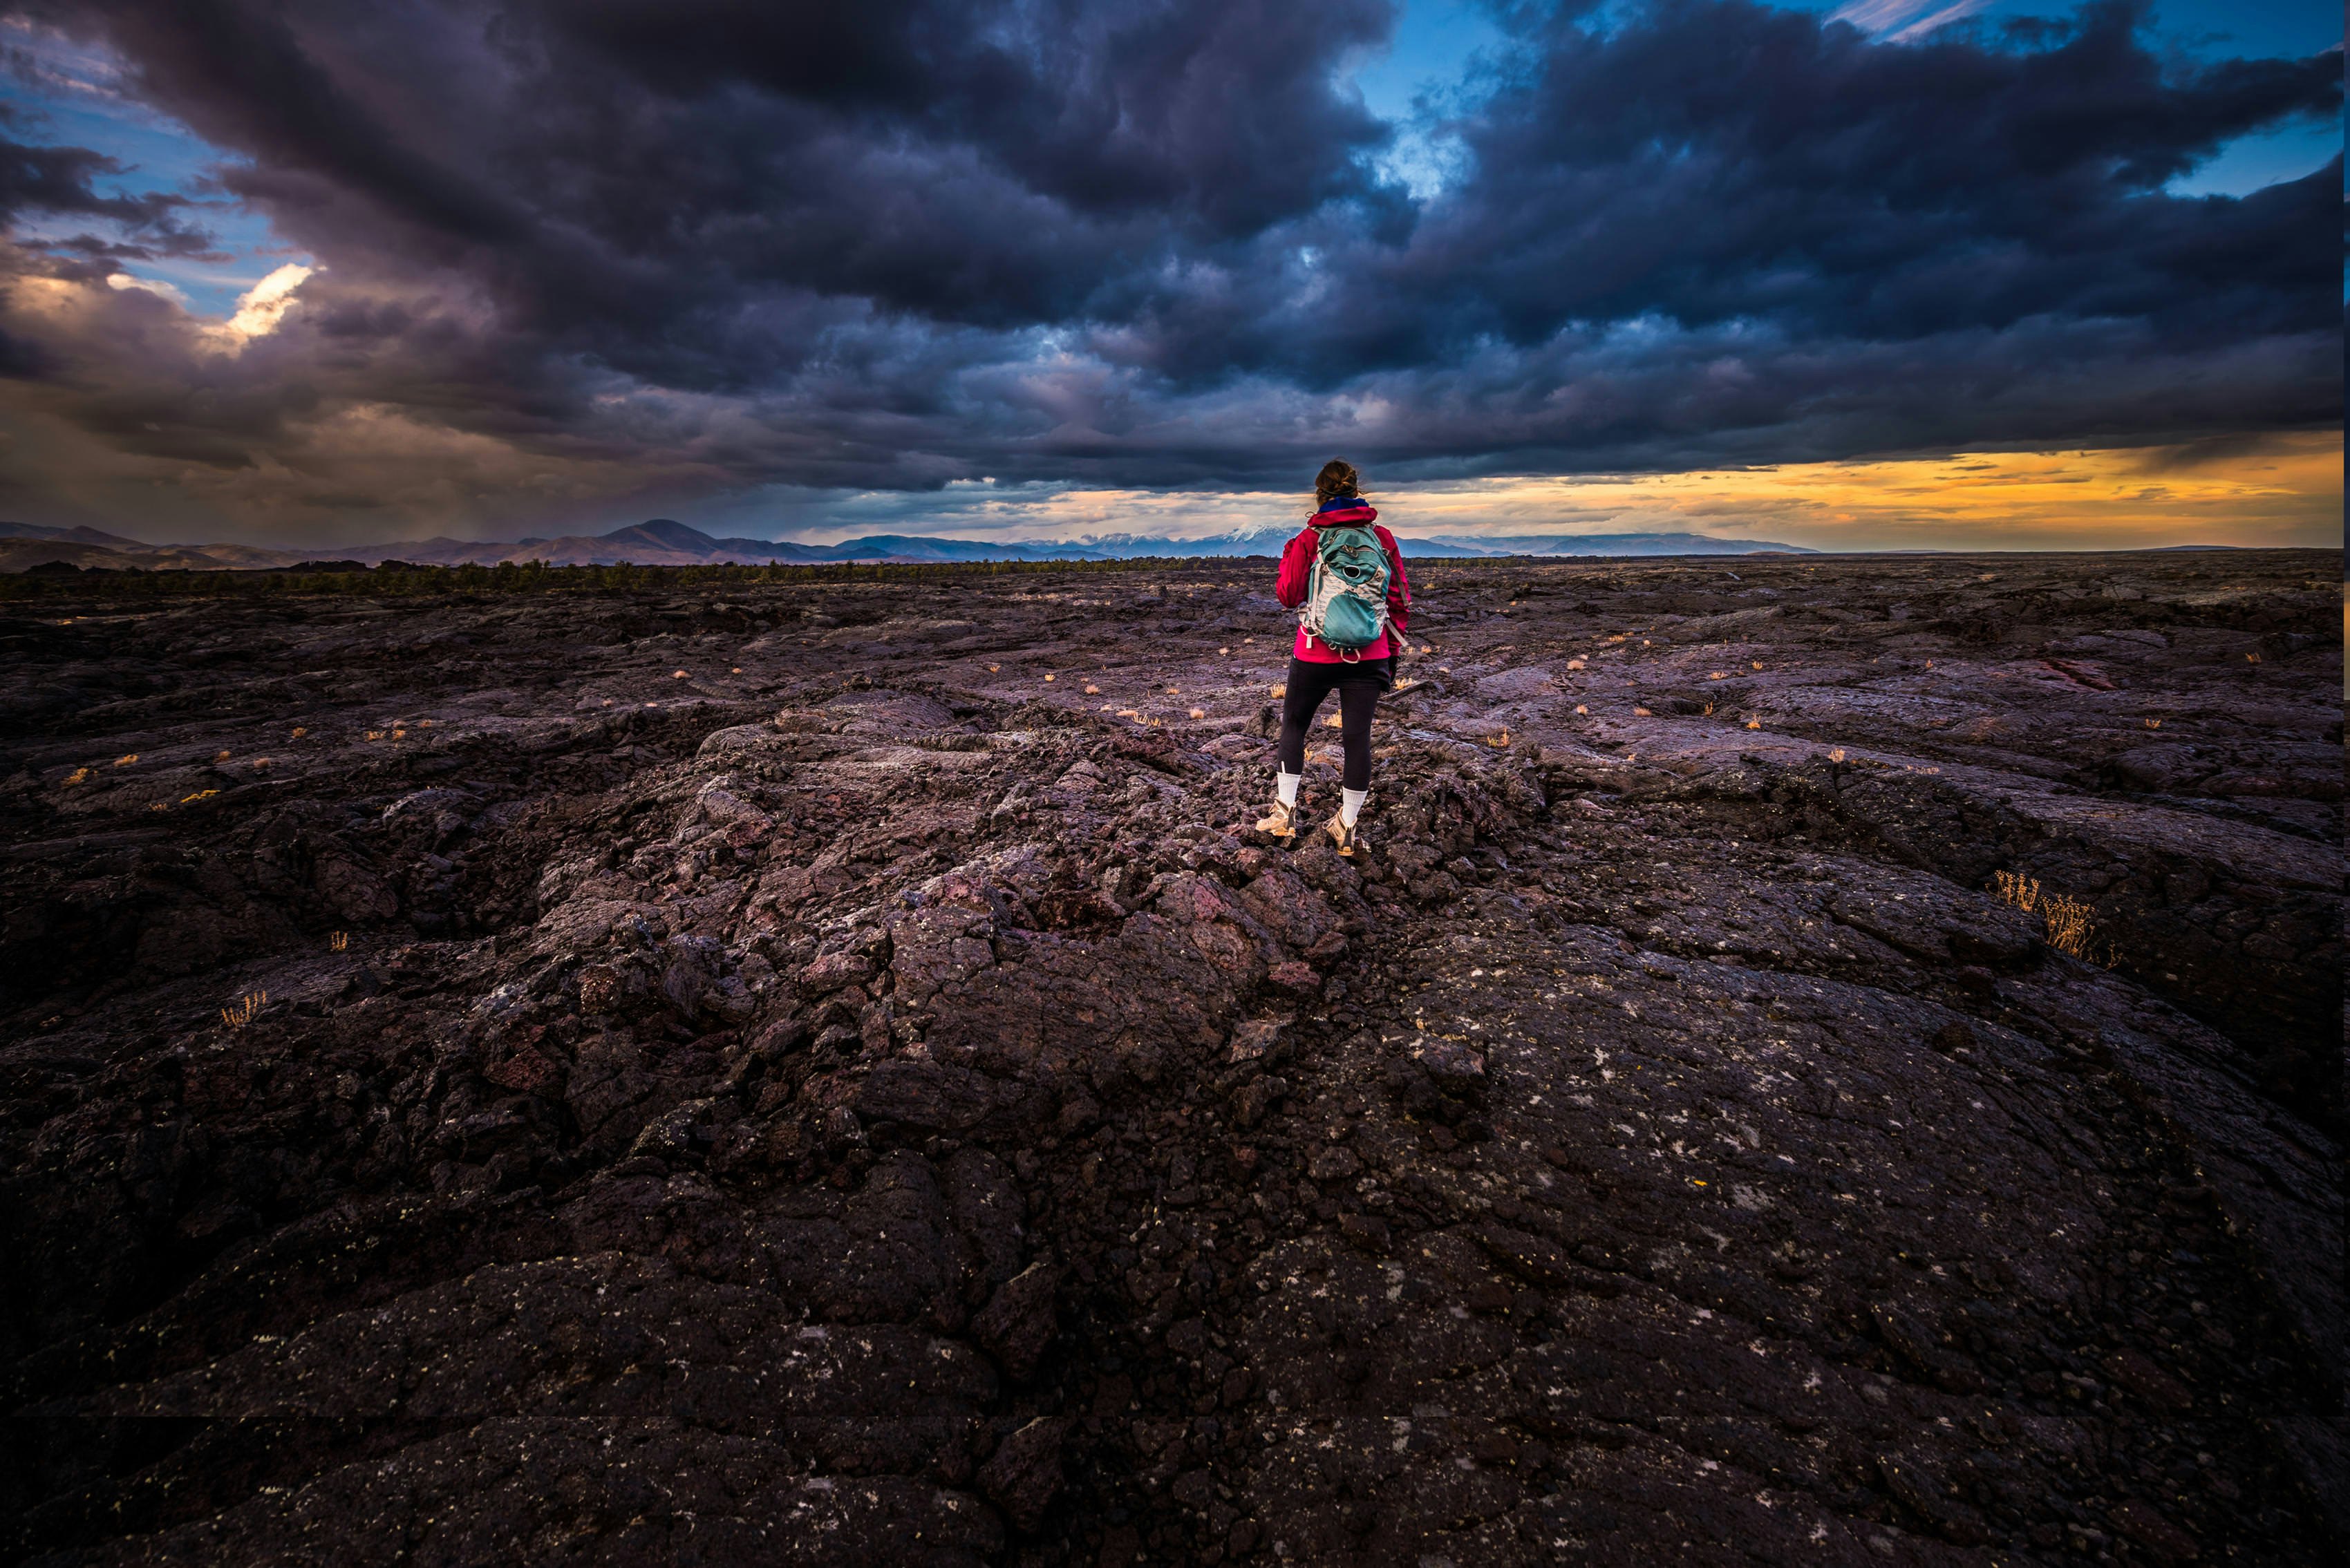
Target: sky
x: 1850, y: 274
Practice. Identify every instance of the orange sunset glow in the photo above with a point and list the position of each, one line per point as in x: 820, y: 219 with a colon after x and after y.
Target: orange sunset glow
x: 2285, y: 490
x: 2278, y: 490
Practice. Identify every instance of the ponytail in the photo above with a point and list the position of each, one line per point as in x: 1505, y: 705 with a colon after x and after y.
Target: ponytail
x: 1337, y: 477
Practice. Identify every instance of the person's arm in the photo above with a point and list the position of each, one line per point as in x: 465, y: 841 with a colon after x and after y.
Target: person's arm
x: 1296, y: 571
x: 1399, y: 585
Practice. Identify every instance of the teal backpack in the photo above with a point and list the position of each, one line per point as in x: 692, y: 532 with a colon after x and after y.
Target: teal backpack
x: 1347, y: 598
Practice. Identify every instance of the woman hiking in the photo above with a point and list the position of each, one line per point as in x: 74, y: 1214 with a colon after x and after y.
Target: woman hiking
x: 1343, y: 577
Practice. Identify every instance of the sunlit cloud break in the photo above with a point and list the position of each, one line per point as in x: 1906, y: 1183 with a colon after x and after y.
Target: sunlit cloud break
x: 154, y: 285
x: 261, y: 308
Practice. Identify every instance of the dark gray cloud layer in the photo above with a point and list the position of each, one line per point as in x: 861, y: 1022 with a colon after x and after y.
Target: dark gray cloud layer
x: 663, y: 247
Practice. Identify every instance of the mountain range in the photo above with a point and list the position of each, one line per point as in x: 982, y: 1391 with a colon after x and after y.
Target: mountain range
x: 662, y: 542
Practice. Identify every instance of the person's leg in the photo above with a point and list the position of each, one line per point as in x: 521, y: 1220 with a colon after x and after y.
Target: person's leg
x: 1358, y: 701
x: 1302, y: 693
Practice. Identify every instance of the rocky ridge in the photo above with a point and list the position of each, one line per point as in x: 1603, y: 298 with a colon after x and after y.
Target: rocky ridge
x: 781, y: 1078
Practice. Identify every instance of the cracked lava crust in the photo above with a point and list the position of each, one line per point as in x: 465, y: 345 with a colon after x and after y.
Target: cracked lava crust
x: 1818, y: 1061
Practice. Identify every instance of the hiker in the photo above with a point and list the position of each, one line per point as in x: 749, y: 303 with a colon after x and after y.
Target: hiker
x: 1343, y: 577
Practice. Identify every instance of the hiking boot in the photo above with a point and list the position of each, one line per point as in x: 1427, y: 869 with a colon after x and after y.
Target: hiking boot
x: 1348, y: 838
x: 1281, y: 822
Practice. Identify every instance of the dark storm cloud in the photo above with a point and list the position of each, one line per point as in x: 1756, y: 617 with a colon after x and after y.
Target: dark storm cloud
x: 716, y: 242
x: 57, y: 181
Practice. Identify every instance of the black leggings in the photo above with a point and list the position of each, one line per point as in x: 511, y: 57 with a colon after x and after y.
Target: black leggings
x: 1359, y: 687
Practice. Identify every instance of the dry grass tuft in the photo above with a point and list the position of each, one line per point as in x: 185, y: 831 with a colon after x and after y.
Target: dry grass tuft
x: 2069, y: 923
x: 1092, y: 691
x: 339, y: 942
x: 1498, y: 739
x: 79, y: 775
x: 126, y: 760
x: 244, y: 1009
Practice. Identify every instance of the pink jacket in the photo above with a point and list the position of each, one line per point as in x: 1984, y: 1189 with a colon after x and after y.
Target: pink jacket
x: 1297, y: 575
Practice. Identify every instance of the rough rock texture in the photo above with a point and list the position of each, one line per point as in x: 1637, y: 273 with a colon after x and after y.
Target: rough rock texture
x: 776, y: 1078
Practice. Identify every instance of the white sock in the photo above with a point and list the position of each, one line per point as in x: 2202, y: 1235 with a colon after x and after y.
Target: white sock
x: 1284, y: 787
x: 1351, y: 805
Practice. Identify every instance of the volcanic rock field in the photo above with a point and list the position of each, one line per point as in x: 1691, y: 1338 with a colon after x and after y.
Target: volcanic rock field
x: 1820, y: 1062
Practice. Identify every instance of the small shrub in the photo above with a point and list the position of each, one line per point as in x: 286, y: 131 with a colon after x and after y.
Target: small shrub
x: 2069, y: 923
x: 244, y: 1009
